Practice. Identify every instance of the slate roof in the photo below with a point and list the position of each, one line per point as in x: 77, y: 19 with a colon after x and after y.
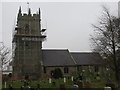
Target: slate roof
x: 87, y: 58
x: 57, y: 57
x: 62, y: 57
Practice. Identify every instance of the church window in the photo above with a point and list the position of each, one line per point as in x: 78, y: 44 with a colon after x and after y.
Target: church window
x: 96, y: 69
x: 78, y: 69
x: 66, y: 70
x: 44, y: 69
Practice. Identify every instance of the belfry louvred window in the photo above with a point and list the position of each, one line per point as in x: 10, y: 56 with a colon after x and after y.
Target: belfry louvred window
x: 26, y: 29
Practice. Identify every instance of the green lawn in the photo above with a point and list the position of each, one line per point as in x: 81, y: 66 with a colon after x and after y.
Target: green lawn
x: 44, y: 83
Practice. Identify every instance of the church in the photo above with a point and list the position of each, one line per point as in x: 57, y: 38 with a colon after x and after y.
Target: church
x: 30, y: 59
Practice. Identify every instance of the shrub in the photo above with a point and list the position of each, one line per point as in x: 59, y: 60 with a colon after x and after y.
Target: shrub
x: 57, y: 73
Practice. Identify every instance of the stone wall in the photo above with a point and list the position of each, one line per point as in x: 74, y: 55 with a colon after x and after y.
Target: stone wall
x: 72, y: 71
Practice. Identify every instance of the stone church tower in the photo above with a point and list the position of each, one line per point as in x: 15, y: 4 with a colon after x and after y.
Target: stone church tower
x: 27, y: 45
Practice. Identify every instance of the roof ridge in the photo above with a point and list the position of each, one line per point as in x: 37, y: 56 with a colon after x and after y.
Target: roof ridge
x: 84, y: 52
x: 55, y: 49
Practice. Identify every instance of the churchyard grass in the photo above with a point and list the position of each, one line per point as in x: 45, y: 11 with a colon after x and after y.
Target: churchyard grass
x: 44, y: 83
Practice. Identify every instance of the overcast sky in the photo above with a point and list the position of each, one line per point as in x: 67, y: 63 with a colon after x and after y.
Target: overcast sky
x: 68, y: 23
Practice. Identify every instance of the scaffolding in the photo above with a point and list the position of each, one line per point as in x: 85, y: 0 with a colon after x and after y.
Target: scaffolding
x: 24, y: 38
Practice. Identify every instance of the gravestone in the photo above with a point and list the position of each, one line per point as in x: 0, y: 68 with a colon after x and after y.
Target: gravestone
x: 50, y: 80
x: 110, y: 84
x: 64, y: 80
x: 75, y: 85
x: 72, y: 78
x: 107, y: 88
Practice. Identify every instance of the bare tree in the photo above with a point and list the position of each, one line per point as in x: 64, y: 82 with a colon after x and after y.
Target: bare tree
x: 5, y: 56
x: 106, y: 41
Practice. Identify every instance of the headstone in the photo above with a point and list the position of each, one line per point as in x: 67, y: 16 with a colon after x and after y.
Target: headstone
x: 107, y: 88
x: 50, y: 80
x: 75, y: 85
x: 28, y: 86
x: 64, y: 80
x: 110, y: 84
x: 72, y: 78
